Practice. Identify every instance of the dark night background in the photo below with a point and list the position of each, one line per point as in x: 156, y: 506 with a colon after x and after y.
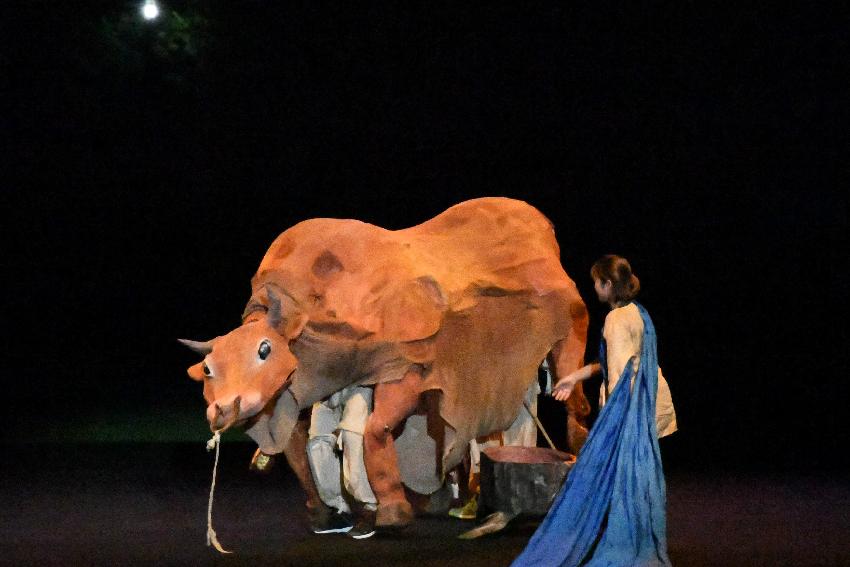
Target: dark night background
x: 148, y: 166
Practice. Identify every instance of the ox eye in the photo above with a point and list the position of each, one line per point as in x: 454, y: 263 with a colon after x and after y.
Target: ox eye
x: 265, y: 350
x: 206, y: 370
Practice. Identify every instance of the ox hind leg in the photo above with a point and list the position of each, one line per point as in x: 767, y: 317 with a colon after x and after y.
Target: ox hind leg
x: 563, y: 359
x: 394, y: 401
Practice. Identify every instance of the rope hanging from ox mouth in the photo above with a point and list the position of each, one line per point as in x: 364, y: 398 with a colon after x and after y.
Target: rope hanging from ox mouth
x: 215, y: 443
x: 212, y: 539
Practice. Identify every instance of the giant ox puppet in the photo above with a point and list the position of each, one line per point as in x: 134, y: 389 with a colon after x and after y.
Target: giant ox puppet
x: 449, y: 320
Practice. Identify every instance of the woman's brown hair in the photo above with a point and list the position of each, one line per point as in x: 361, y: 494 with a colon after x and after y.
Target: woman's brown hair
x: 618, y: 271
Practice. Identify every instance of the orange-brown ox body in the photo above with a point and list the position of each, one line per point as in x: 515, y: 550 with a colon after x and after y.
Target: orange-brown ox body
x: 448, y: 320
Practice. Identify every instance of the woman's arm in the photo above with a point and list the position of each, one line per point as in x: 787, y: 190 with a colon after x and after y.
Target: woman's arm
x: 565, y: 385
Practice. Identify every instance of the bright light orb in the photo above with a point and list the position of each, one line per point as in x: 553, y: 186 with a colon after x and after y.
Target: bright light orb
x: 150, y: 11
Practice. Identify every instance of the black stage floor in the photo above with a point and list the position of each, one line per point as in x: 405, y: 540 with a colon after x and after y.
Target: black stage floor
x: 146, y: 504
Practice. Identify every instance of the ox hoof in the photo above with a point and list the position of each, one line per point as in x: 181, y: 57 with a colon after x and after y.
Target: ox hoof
x: 394, y: 515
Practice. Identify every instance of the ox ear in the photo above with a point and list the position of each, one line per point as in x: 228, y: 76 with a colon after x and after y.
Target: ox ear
x: 201, y: 347
x: 273, y: 315
x: 294, y: 325
x: 196, y: 372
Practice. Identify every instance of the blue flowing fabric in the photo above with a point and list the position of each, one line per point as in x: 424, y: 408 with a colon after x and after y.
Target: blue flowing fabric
x: 611, y: 510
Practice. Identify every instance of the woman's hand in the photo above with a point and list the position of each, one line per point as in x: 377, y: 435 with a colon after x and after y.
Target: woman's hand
x: 564, y: 387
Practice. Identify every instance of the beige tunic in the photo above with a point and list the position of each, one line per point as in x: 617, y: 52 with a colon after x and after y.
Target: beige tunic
x: 623, y: 333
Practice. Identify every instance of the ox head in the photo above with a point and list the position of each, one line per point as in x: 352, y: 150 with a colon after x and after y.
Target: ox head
x: 246, y: 369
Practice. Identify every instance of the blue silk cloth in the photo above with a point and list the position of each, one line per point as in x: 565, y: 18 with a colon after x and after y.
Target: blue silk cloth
x: 611, y: 510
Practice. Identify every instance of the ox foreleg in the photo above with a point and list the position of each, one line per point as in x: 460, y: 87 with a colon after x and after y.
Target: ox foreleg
x: 296, y: 456
x: 394, y: 401
x: 566, y: 356
x: 561, y: 363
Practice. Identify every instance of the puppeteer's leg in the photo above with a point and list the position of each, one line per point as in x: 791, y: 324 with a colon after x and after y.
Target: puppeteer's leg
x: 324, y: 460
x: 352, y: 426
x: 354, y: 476
x: 355, y: 414
x: 523, y: 431
x: 394, y: 401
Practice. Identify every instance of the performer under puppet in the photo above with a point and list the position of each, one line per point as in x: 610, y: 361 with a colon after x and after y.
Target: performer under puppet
x: 448, y: 321
x: 339, y: 422
x: 612, y: 507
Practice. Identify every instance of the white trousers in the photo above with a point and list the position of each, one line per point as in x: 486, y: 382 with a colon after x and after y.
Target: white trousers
x: 338, y: 424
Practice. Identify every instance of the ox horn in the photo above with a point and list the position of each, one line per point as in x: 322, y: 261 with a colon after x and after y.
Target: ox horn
x: 274, y: 316
x: 202, y: 348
